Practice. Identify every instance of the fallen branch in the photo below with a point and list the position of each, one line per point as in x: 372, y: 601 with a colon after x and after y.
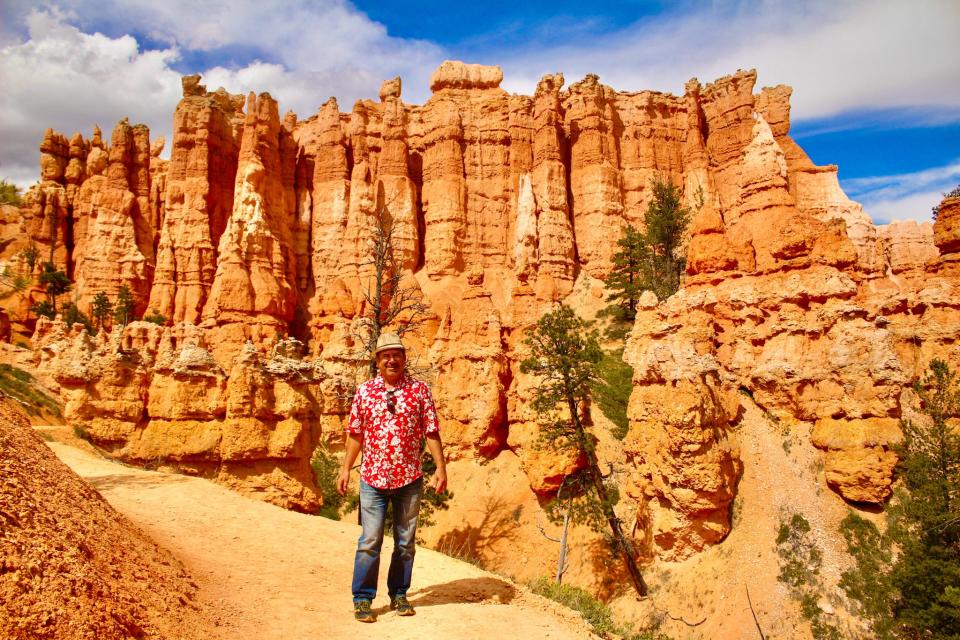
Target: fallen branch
x: 754, y: 614
x: 689, y: 624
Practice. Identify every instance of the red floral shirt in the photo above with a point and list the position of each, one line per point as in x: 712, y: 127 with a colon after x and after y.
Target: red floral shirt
x: 392, y: 441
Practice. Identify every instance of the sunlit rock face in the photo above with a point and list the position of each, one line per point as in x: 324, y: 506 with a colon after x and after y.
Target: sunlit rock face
x: 259, y: 229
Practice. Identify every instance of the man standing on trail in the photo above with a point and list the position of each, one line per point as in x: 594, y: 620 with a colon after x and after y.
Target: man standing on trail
x: 391, y: 416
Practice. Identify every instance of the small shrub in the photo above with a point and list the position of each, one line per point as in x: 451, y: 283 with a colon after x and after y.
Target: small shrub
x: 155, y: 317
x: 736, y: 510
x: 955, y: 193
x: 326, y: 470
x: 21, y: 386
x: 30, y: 255
x: 594, y: 612
x: 72, y: 315
x: 43, y: 308
x: 800, y: 556
x: 10, y: 193
x: 81, y: 433
x: 612, y: 391
x: 431, y: 501
x: 800, y: 563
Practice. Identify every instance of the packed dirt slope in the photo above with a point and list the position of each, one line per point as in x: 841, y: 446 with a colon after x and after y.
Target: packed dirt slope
x: 72, y: 566
x: 259, y: 571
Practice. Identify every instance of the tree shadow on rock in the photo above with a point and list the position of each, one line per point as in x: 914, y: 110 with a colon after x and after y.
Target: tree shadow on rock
x: 471, y: 542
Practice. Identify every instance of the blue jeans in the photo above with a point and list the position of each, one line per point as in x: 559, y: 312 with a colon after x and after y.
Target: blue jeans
x: 373, y: 513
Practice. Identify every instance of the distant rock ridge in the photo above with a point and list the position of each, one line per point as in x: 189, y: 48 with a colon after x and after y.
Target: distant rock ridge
x: 258, y: 228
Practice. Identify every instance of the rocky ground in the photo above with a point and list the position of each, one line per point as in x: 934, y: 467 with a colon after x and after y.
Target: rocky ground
x: 72, y: 566
x: 178, y: 557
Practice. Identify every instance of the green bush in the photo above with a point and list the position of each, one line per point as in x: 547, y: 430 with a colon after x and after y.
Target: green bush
x: 868, y: 582
x: 155, y: 317
x: 800, y: 563
x: 72, y: 315
x: 800, y: 557
x: 612, y: 390
x: 954, y: 193
x: 326, y: 470
x: 43, y: 308
x: 21, y: 386
x: 10, y: 193
x: 594, y: 612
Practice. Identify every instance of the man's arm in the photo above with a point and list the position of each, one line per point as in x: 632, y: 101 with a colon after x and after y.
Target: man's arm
x: 353, y: 450
x: 435, y: 446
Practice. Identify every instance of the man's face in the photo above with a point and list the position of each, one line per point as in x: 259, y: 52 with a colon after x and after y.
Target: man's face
x: 390, y: 363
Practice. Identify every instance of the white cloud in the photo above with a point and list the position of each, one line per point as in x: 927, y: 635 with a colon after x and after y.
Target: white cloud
x: 69, y: 80
x: 916, y: 206
x: 904, y: 183
x: 837, y: 56
x: 59, y: 76
x: 326, y: 40
x: 906, y: 196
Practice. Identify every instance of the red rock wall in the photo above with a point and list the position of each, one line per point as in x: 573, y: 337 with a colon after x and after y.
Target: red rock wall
x: 501, y: 205
x: 198, y: 200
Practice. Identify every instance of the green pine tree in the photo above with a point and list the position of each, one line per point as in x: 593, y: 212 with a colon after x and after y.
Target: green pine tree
x: 926, y: 518
x: 651, y: 260
x: 666, y: 220
x: 907, y: 578
x: 101, y: 308
x: 123, y: 309
x: 628, y: 277
x: 55, y: 281
x: 564, y: 354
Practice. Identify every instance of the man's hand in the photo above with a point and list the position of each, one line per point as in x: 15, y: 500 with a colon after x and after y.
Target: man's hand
x: 435, y: 447
x: 343, y: 481
x: 439, y: 483
x: 350, y: 456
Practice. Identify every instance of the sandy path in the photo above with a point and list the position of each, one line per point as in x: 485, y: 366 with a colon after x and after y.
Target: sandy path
x: 275, y: 574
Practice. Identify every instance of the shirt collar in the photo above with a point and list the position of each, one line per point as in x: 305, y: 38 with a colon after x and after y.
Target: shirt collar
x: 402, y: 382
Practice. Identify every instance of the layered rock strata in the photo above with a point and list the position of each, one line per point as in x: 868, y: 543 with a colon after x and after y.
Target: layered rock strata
x: 499, y: 206
x: 154, y: 395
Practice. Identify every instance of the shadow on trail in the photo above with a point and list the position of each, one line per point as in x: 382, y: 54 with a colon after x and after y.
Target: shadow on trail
x: 105, y: 483
x: 464, y: 591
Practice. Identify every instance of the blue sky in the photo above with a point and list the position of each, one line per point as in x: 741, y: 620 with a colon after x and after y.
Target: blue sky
x: 876, y: 83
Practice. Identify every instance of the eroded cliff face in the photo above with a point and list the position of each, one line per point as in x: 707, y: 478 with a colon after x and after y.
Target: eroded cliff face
x: 259, y: 228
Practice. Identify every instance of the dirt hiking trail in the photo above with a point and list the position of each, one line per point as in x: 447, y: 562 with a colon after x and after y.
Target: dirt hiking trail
x: 272, y: 574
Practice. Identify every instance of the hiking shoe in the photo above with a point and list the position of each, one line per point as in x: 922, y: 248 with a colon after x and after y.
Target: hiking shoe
x: 362, y: 611
x: 402, y: 606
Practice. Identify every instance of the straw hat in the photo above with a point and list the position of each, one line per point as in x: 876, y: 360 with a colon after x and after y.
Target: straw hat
x: 388, y: 341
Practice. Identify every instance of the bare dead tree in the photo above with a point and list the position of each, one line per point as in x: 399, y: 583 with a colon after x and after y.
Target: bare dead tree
x: 562, y: 564
x: 390, y: 303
